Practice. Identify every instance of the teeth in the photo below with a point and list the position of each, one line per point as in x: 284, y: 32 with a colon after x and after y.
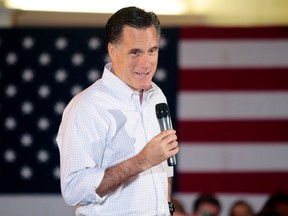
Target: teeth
x: 142, y: 74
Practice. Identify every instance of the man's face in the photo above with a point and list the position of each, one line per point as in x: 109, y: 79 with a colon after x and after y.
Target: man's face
x: 207, y: 209
x: 134, y: 58
x: 241, y: 210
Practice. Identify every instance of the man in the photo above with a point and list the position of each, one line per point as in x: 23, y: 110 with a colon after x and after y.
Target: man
x: 113, y: 156
x: 206, y: 205
x: 241, y: 208
x: 276, y: 204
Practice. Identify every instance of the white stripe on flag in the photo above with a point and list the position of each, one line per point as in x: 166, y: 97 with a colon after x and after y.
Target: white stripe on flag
x: 232, y: 105
x: 205, y: 157
x: 233, y: 53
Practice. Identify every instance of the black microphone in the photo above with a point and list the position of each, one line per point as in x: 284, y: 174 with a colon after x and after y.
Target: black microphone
x: 164, y: 119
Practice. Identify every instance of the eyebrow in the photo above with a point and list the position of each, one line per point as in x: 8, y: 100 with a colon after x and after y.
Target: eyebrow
x: 135, y: 50
x: 154, y: 47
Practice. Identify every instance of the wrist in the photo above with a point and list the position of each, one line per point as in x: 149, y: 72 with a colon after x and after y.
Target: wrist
x: 141, y: 161
x: 171, y: 207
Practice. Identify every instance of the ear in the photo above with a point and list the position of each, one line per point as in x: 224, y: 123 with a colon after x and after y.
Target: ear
x: 111, y: 50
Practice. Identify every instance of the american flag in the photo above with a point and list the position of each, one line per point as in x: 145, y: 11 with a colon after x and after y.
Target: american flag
x: 41, y: 69
x: 233, y: 112
x: 227, y: 90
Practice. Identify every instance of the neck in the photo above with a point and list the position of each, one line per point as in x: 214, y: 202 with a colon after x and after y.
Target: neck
x: 141, y: 95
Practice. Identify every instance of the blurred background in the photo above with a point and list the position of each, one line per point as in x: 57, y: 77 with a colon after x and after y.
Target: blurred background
x: 172, y: 12
x: 223, y: 66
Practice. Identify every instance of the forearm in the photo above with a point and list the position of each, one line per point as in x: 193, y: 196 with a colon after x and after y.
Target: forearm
x: 160, y: 147
x: 120, y: 173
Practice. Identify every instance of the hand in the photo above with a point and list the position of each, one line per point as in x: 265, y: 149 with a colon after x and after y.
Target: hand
x: 160, y: 147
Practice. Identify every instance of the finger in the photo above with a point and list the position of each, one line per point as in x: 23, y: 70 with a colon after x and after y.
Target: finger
x: 170, y: 138
x: 166, y: 133
x: 175, y: 150
x: 173, y: 144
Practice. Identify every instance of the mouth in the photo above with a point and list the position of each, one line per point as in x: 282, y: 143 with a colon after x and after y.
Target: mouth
x: 143, y: 74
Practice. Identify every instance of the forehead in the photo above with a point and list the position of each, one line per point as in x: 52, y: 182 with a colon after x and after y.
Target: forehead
x: 208, y: 207
x: 132, y: 35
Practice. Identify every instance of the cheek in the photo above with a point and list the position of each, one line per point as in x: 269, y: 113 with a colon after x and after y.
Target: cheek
x: 131, y: 64
x: 124, y: 64
x: 154, y: 61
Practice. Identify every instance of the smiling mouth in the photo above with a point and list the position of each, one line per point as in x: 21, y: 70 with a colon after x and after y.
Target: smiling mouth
x: 142, y: 74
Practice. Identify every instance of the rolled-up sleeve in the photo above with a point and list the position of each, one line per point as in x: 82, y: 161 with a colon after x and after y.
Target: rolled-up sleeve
x: 81, y: 147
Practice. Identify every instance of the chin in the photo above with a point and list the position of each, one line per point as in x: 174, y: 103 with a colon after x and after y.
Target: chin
x: 145, y: 87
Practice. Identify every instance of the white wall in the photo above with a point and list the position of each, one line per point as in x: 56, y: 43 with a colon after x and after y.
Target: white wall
x: 34, y: 205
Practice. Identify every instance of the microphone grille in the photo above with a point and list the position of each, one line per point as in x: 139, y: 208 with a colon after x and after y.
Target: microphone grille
x: 162, y: 110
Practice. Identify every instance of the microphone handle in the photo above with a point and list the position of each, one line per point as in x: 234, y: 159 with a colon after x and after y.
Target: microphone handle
x: 166, y: 124
x: 172, y: 161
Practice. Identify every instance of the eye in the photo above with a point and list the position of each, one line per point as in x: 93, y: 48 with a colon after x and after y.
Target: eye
x: 135, y: 52
x: 153, y: 51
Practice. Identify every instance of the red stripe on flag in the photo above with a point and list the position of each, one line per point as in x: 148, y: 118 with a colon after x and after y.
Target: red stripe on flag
x: 236, y: 182
x: 234, y: 79
x: 199, y: 75
x: 237, y: 130
x: 213, y: 33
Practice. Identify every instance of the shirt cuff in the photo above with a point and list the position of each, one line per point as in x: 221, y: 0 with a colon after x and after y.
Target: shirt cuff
x: 93, y: 183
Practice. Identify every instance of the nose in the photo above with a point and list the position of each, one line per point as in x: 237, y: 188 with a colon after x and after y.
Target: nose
x: 145, y: 61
